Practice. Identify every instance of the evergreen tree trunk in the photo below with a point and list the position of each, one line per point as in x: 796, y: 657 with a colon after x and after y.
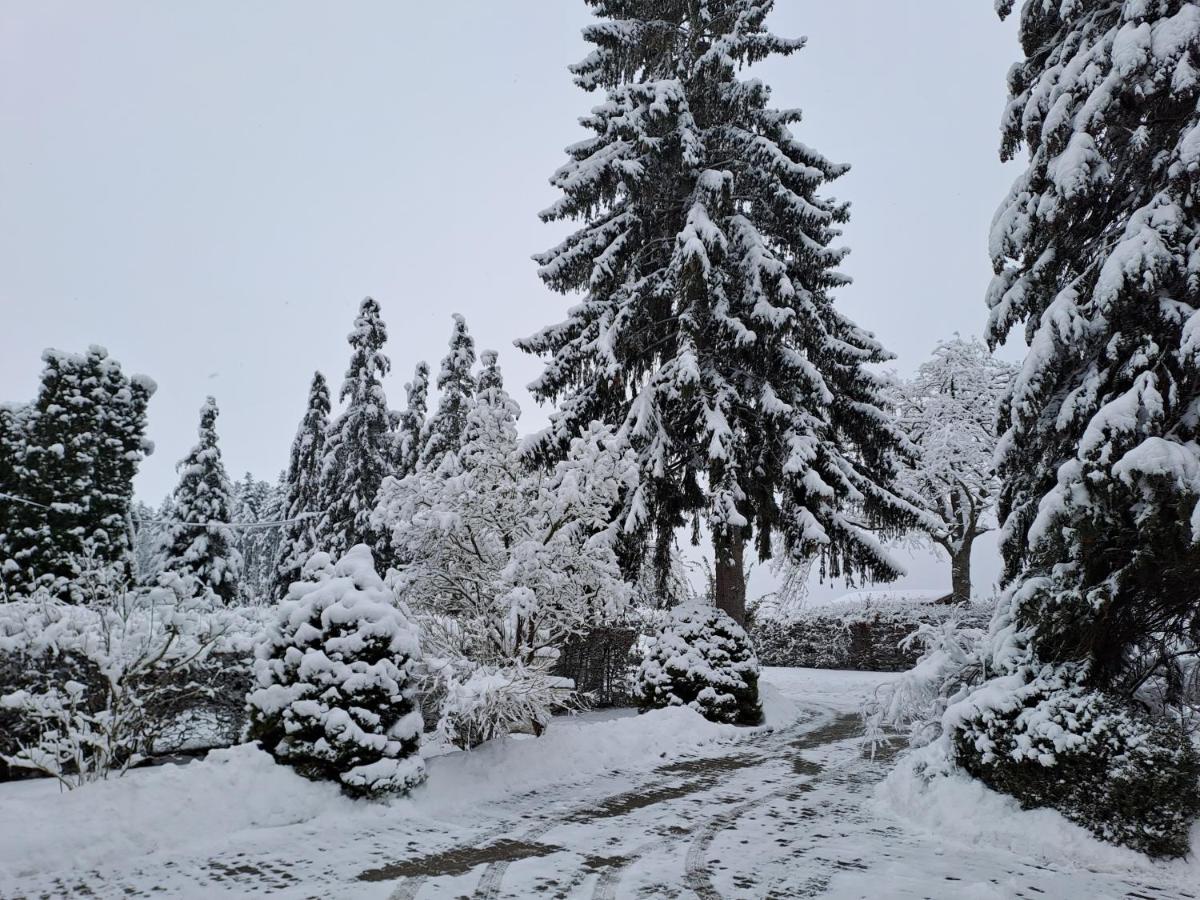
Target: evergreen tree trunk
x: 729, y: 586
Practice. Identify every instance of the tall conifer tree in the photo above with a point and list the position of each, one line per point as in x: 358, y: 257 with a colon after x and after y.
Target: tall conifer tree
x: 121, y: 404
x: 199, y: 541
x: 1097, y: 254
x: 358, y: 442
x: 456, y: 388
x: 707, y: 330
x: 407, y: 444
x: 303, y: 489
x: 72, y: 456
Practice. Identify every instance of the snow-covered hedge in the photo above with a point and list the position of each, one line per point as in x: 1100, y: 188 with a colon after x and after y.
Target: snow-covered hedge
x: 701, y: 659
x: 336, y: 680
x: 141, y: 671
x: 1124, y: 776
x: 866, y: 633
x: 1130, y: 775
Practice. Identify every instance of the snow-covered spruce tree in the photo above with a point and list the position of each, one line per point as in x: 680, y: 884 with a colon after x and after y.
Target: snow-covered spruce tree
x: 701, y: 659
x: 1096, y: 254
x: 707, y: 329
x: 336, y: 693
x: 147, y: 542
x: 406, y: 446
x: 949, y: 411
x: 303, y: 489
x: 258, y: 545
x: 456, y: 387
x: 198, y: 541
x: 121, y: 423
x: 77, y: 449
x: 358, y: 442
x: 13, y: 442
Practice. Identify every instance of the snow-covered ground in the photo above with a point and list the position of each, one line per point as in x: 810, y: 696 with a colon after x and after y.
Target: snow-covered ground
x: 604, y: 805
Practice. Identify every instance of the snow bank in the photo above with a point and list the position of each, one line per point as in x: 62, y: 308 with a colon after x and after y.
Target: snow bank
x: 149, y: 810
x: 188, y: 809
x: 874, y: 598
x: 959, y: 810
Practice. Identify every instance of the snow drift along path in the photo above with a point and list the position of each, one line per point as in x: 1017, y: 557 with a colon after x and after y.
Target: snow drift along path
x: 606, y: 806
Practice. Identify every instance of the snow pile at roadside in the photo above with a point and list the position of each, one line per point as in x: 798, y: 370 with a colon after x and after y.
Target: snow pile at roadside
x: 958, y: 809
x: 160, y: 808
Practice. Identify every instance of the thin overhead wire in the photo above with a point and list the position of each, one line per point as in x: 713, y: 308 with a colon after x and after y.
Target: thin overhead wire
x: 144, y: 521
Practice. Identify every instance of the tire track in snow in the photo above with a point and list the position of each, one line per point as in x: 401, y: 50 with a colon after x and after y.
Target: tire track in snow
x: 657, y: 790
x: 695, y: 873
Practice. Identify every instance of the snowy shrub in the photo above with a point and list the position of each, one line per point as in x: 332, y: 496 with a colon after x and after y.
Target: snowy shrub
x: 336, y: 680
x: 492, y: 702
x: 949, y: 662
x: 74, y: 744
x: 701, y: 659
x: 90, y: 690
x: 1126, y: 777
x: 501, y: 565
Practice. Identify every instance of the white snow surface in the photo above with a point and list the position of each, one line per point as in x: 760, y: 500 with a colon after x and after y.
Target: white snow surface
x: 607, y: 804
x: 875, y: 598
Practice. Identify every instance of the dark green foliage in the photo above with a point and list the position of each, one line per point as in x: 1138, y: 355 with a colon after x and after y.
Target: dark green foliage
x: 1094, y: 252
x: 302, y: 490
x: 411, y: 422
x: 701, y: 659
x: 335, y: 694
x: 199, y: 541
x: 600, y: 662
x: 73, y: 452
x: 1095, y: 257
x: 456, y: 387
x: 358, y: 442
x: 1131, y: 780
x: 707, y: 259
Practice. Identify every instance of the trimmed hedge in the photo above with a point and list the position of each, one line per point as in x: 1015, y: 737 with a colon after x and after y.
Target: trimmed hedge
x: 866, y: 634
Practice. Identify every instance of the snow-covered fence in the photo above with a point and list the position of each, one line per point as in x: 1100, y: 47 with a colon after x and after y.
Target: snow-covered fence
x: 865, y: 633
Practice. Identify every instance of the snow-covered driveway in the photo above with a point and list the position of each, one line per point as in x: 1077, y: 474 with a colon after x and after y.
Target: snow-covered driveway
x: 606, y: 807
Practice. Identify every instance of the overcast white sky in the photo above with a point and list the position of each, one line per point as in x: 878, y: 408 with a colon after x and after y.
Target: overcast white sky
x: 209, y: 189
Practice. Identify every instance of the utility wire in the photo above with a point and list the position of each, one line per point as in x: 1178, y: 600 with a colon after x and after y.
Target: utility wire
x: 142, y: 521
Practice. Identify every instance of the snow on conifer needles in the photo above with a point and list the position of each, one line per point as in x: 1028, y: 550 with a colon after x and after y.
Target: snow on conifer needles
x: 1087, y: 663
x: 706, y: 257
x: 428, y: 574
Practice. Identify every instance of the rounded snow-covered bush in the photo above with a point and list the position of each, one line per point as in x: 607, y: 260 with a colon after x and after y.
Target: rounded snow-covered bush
x: 1126, y: 777
x: 336, y: 685
x: 702, y: 659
